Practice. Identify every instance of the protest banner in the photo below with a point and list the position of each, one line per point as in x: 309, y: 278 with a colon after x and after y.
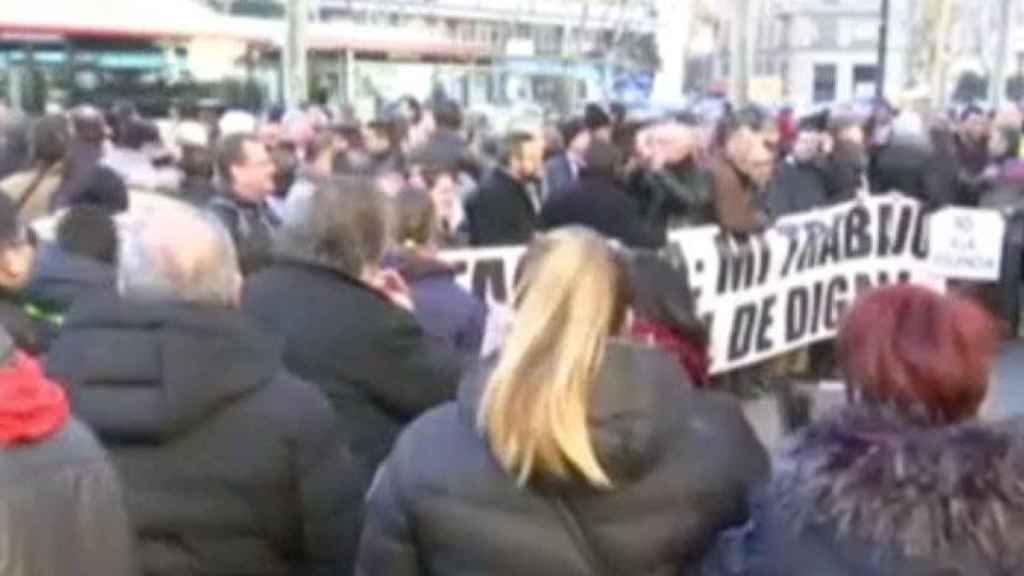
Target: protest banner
x: 773, y: 292
x: 786, y: 288
x: 967, y: 243
x: 489, y: 273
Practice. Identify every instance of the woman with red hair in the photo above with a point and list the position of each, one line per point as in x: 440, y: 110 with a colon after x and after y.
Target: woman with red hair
x: 904, y: 480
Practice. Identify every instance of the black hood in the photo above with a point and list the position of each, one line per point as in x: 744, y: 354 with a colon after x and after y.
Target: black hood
x: 627, y: 410
x: 60, y: 278
x: 877, y: 477
x: 146, y: 372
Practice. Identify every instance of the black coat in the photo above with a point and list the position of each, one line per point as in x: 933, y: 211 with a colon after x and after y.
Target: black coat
x: 371, y: 358
x: 796, y: 187
x: 596, y: 201
x: 446, y: 148
x: 251, y: 226
x: 60, y: 278
x: 62, y: 510
x: 230, y: 465
x: 870, y: 492
x: 675, y: 196
x: 681, y: 461
x: 501, y: 212
x: 917, y: 173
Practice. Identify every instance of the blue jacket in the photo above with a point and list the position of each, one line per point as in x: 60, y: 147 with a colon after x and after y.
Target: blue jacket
x: 444, y: 309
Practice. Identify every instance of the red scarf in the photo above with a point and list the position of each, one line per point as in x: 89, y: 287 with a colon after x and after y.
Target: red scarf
x: 689, y: 356
x: 31, y: 407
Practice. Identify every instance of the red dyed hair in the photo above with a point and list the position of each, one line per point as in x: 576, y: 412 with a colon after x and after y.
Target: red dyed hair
x: 915, y: 348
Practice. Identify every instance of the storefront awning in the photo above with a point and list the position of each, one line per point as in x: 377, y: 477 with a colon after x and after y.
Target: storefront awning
x: 151, y: 19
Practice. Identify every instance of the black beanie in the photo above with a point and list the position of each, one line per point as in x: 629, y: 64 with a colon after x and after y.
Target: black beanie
x: 595, y: 117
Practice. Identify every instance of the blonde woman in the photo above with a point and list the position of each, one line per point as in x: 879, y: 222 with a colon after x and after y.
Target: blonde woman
x: 571, y: 453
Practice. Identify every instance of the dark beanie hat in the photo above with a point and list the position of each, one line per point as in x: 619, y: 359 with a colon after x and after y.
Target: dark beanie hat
x: 595, y: 117
x: 104, y: 189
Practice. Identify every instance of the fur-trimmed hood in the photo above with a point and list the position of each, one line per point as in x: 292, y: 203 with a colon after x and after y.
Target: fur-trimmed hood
x: 916, y: 490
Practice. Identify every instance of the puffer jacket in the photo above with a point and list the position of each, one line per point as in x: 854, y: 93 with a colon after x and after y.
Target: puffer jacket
x: 681, y: 461
x: 230, y: 466
x: 871, y: 492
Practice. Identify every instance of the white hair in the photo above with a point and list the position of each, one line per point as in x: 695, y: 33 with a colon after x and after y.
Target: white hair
x: 178, y: 254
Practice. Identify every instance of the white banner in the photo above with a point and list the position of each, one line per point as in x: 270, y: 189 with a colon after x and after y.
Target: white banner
x: 966, y: 243
x: 773, y: 292
x: 788, y: 287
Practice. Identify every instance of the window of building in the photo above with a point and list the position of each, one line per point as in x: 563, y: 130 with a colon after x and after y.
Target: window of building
x: 864, y: 78
x: 824, y: 82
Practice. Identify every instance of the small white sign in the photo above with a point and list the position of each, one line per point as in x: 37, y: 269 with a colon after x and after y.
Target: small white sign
x: 966, y: 243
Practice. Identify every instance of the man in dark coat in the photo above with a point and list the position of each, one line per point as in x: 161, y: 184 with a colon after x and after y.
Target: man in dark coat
x: 505, y: 208
x: 446, y: 145
x: 972, y: 149
x: 80, y: 264
x: 741, y: 170
x: 231, y: 465
x: 799, y: 182
x: 597, y: 201
x: 347, y: 325
x: 908, y: 165
x: 248, y: 172
x: 673, y: 190
x: 443, y: 505
x: 61, y: 506
x: 564, y: 169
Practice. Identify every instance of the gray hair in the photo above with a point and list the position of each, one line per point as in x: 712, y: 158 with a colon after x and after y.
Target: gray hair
x: 343, y: 227
x: 178, y: 254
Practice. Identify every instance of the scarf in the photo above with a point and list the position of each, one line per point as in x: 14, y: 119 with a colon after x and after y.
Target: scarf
x: 32, y: 408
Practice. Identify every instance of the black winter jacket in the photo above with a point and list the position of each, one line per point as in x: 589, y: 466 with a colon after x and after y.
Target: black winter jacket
x: 230, y: 465
x: 501, y: 212
x: 869, y: 492
x: 61, y: 509
x: 917, y: 173
x: 60, y: 278
x: 596, y: 201
x: 372, y: 359
x: 796, y: 187
x: 252, y: 227
x: 681, y: 461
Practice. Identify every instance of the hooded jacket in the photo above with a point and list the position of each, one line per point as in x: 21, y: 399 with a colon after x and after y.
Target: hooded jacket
x: 60, y: 278
x: 871, y: 492
x: 442, y: 505
x: 61, y: 507
x: 371, y: 358
x: 230, y: 465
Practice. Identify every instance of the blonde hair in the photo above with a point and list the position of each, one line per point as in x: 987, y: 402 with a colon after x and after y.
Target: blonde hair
x: 571, y: 299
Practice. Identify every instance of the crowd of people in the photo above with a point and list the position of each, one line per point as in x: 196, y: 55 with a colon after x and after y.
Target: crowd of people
x: 231, y: 345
